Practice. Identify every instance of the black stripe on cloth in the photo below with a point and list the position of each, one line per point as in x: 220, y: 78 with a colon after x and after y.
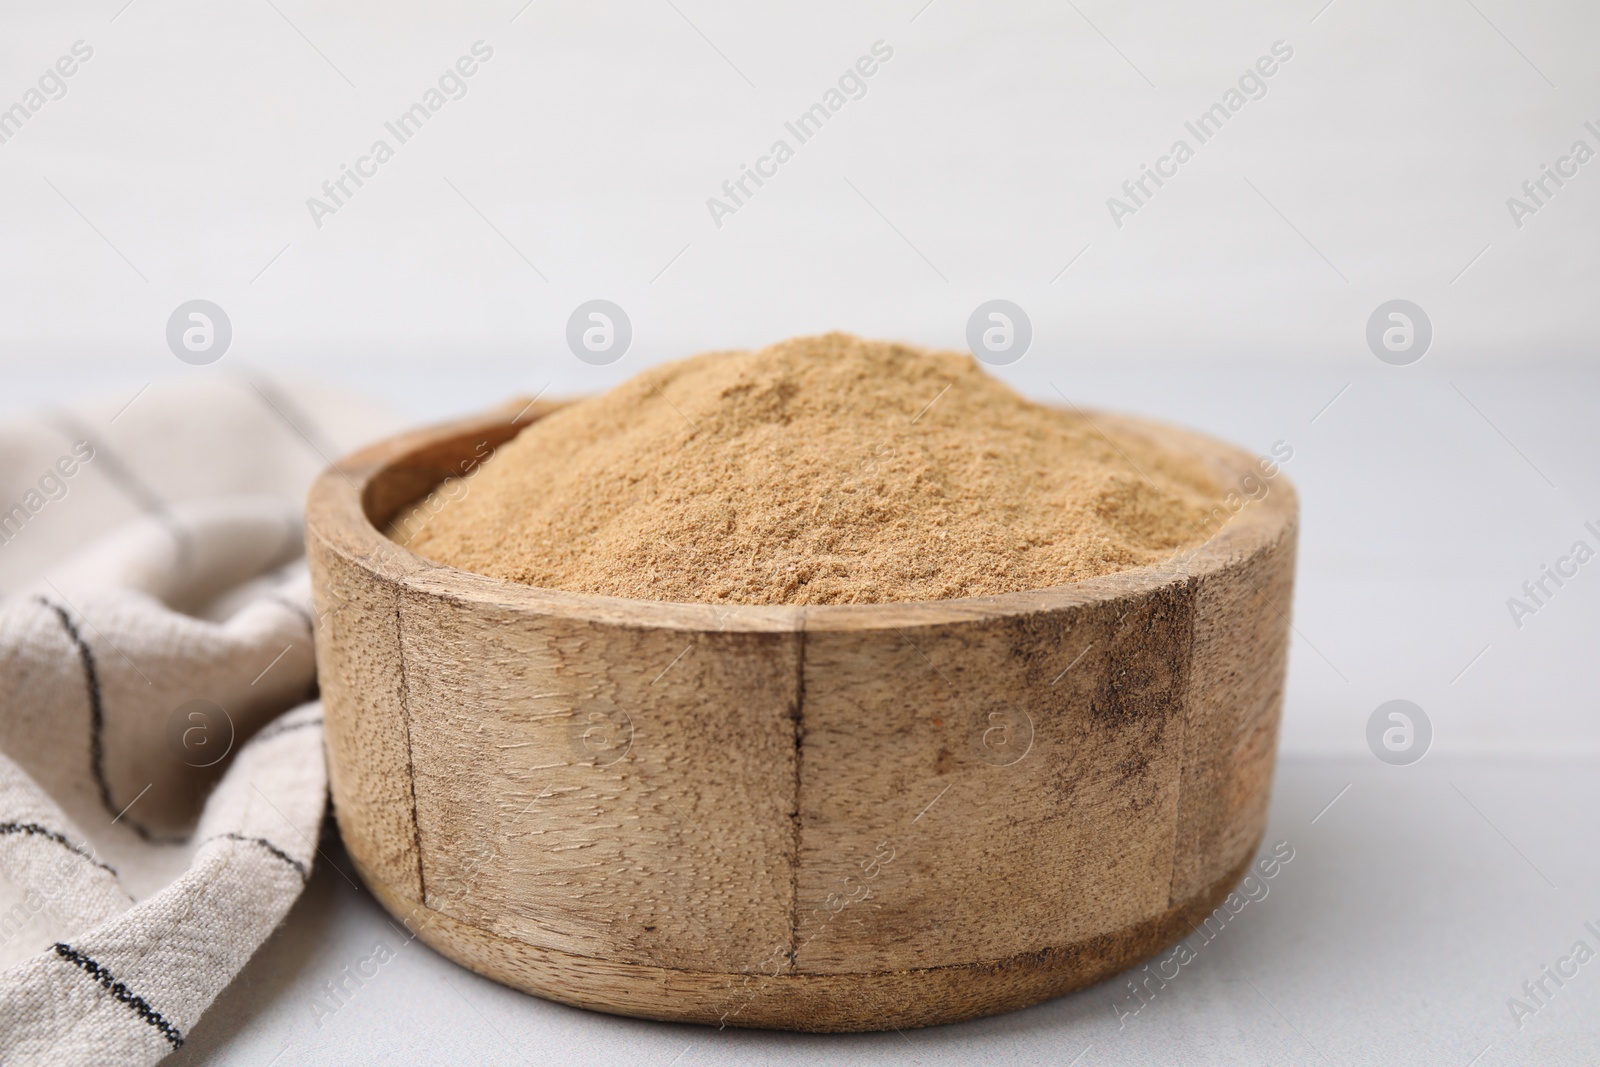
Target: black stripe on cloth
x: 139, y: 1005
x: 97, y: 723
x: 33, y: 829
x: 97, y: 711
x: 270, y: 847
x: 286, y: 727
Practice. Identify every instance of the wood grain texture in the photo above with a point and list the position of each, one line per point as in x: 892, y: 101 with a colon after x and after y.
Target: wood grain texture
x: 822, y: 818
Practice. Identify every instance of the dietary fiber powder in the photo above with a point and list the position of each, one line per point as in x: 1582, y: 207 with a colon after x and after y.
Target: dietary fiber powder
x: 820, y: 470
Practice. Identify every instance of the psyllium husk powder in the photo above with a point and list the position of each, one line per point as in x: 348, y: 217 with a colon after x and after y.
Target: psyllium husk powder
x: 821, y: 470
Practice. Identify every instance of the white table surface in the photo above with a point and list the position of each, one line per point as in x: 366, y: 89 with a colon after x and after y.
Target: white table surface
x: 1413, y: 908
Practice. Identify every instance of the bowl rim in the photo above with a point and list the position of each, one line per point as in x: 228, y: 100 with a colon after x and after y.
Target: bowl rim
x: 338, y: 503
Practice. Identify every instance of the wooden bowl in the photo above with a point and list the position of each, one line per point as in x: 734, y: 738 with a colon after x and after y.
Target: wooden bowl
x: 812, y: 818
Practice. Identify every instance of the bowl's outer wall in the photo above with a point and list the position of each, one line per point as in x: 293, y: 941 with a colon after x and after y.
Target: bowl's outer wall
x: 795, y: 791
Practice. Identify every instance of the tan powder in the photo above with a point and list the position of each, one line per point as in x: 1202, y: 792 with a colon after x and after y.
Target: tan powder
x: 822, y: 470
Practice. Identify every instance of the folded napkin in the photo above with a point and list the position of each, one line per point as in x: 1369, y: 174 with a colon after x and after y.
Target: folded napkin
x: 162, y: 783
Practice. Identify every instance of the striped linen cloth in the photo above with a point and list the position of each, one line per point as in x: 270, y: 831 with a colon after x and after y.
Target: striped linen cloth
x: 162, y: 784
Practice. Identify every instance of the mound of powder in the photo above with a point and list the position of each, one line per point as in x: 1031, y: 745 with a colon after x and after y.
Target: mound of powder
x: 822, y: 470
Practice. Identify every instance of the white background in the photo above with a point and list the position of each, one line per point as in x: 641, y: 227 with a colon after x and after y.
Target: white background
x: 978, y: 165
